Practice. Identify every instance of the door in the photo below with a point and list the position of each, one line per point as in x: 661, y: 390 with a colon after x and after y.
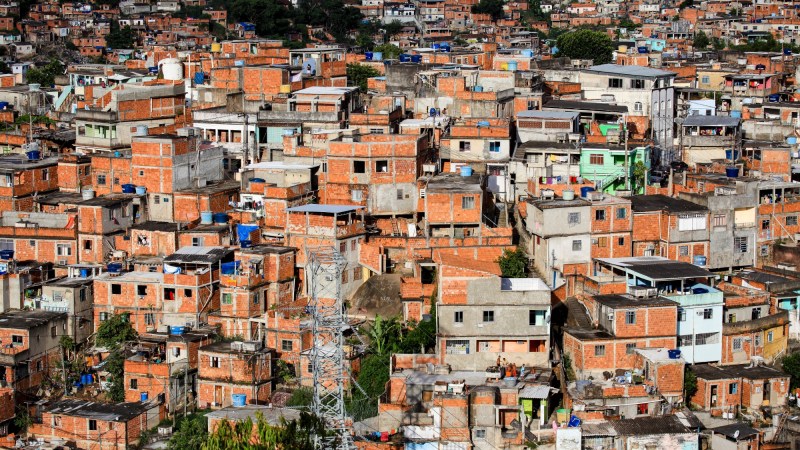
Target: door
x: 713, y: 396
x: 218, y: 395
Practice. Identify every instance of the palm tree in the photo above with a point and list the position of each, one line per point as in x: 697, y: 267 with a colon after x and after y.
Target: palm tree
x: 384, y: 334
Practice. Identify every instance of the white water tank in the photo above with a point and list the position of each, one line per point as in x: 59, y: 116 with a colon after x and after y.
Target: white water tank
x: 171, y: 69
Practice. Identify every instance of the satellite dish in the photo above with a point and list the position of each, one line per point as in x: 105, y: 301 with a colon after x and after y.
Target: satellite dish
x: 309, y: 66
x: 736, y: 434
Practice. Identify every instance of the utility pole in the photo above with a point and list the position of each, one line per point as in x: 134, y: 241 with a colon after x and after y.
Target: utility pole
x: 624, y: 129
x: 246, y: 140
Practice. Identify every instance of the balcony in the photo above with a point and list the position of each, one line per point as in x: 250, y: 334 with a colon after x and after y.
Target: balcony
x: 93, y: 115
x: 744, y: 225
x: 99, y: 142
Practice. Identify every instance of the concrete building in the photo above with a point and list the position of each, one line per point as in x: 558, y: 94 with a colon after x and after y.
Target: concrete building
x: 502, y: 318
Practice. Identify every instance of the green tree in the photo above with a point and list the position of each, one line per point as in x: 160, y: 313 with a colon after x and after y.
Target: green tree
x: 248, y: 435
x: 390, y: 51
x: 301, y: 397
x: 421, y: 337
x: 45, y: 75
x: 392, y: 28
x: 492, y: 7
x: 689, y: 384
x: 513, y: 263
x: 791, y: 365
x: 701, y: 40
x: 638, y: 179
x: 586, y: 44
x: 270, y: 18
x: 190, y: 434
x: 717, y: 43
x: 116, y: 330
x: 357, y: 75
x: 120, y: 37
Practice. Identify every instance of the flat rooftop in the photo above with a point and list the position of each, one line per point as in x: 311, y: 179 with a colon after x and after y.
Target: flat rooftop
x: 657, y: 268
x: 25, y: 320
x: 109, y: 412
x: 650, y: 203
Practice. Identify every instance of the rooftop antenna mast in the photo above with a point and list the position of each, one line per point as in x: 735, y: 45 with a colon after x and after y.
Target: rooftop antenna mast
x: 328, y: 362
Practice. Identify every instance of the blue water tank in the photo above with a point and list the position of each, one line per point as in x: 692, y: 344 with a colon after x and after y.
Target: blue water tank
x: 143, y: 397
x: 512, y: 65
x: 477, y: 88
x: 206, y: 217
x: 238, y: 63
x: 466, y: 171
x: 674, y: 354
x: 445, y: 47
x: 736, y: 114
x: 3, y: 105
x: 84, y: 273
x: 34, y: 155
x: 416, y: 59
x: 527, y: 53
x: 791, y: 140
x: 114, y: 267
x: 199, y: 78
x: 642, y: 49
x: 585, y: 191
x: 245, y: 243
x: 220, y: 218
x: 368, y: 56
x: 483, y: 124
x: 732, y: 172
x: 177, y: 330
x: 141, y: 190
x: 404, y: 58
x: 377, y: 56
x: 239, y: 400
x: 699, y: 260
x: 128, y: 188
x: 257, y: 180
x: 432, y: 112
x: 774, y: 98
x: 6, y: 254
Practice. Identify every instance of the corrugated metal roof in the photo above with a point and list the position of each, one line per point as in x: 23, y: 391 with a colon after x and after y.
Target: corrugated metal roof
x: 548, y: 114
x: 324, y: 209
x: 539, y: 391
x: 696, y: 120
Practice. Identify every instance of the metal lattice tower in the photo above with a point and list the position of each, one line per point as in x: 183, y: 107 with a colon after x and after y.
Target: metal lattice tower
x: 328, y: 363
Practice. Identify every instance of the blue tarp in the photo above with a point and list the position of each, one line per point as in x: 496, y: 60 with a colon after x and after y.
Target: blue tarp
x: 230, y: 268
x: 244, y: 231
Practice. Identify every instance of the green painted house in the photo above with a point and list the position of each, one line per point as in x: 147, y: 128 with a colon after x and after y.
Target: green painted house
x: 605, y: 166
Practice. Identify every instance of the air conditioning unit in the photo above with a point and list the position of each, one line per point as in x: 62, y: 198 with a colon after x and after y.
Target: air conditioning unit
x: 610, y: 316
x: 422, y: 193
x: 62, y: 262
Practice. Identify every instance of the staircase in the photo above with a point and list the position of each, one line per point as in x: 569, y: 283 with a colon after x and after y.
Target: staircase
x: 602, y: 183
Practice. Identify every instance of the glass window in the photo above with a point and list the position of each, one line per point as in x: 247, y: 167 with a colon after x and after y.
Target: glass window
x: 708, y: 313
x: 622, y: 213
x: 577, y: 245
x: 536, y: 317
x: 629, y: 348
x: 488, y: 316
x: 467, y: 202
x: 596, y: 159
x: 600, y: 214
x: 630, y: 317
x: 458, y: 317
x: 599, y: 350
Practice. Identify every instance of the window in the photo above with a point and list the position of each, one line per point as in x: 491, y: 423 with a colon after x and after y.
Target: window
x: 457, y: 347
x: 149, y: 319
x: 621, y: 241
x: 467, y: 202
x: 197, y: 242
x: 683, y: 250
x: 615, y: 82
x: 757, y: 340
x: 382, y: 166
x: 187, y: 293
x: 705, y: 79
x: 577, y: 245
x: 691, y: 222
x: 56, y: 421
x: 706, y: 338
x: 141, y: 290
x: 16, y: 339
x: 599, y: 350
x: 537, y: 317
x: 733, y: 388
x: 622, y: 213
x: 596, y: 159
x: 92, y: 425
x: 720, y: 220
x: 685, y: 340
x: 602, y: 242
x: 574, y: 218
x: 257, y: 297
x: 600, y: 214
x: 770, y: 336
x: 134, y: 383
x: 740, y: 244
x: 637, y: 106
x: 359, y: 167
x: 286, y: 345
x: 101, y: 180
x: 103, y: 316
x: 356, y: 195
x: 480, y: 434
x: 116, y: 289
x: 737, y: 344
x: 708, y: 313
x: 488, y: 316
x: 214, y: 361
x: 732, y: 318
x: 630, y: 317
x: 637, y: 84
x: 87, y: 245
x: 324, y: 167
x: 755, y: 313
x: 765, y: 224
x: 458, y: 317
x: 791, y: 221
x: 63, y: 250
x: 399, y: 194
x: 464, y: 146
x: 494, y: 146
x: 227, y: 299
x: 45, y: 174
x: 629, y: 348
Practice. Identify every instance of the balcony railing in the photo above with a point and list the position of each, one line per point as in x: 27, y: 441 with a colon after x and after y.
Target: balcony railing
x: 744, y: 225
